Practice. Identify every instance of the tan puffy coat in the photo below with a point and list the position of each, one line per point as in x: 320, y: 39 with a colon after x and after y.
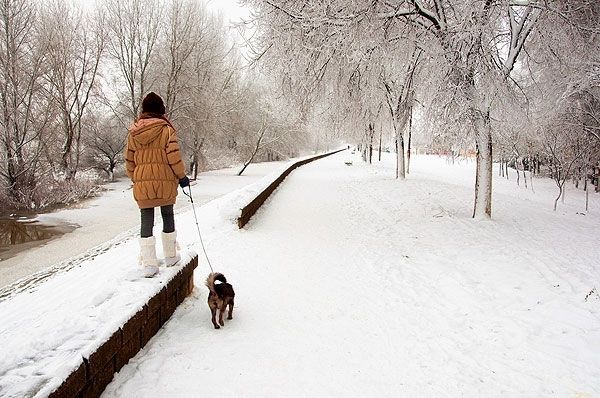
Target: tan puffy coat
x: 153, y: 162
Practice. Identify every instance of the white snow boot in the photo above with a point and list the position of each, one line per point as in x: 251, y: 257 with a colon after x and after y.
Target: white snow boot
x: 170, y: 246
x: 148, y: 259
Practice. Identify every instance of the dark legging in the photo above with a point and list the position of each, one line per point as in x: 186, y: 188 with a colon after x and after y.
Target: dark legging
x: 148, y: 220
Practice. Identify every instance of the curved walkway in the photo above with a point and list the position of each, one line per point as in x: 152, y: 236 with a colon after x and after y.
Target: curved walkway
x: 352, y: 284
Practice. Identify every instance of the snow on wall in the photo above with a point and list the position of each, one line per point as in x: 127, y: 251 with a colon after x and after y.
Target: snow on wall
x: 76, y: 330
x: 97, y: 369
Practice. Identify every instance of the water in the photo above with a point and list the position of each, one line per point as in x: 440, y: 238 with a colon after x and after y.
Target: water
x: 18, y: 233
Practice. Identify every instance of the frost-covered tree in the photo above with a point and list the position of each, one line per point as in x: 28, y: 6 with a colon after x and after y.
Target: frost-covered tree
x: 133, y: 28
x: 184, y: 26
x: 104, y: 145
x: 75, y: 46
x: 24, y: 108
x: 474, y: 50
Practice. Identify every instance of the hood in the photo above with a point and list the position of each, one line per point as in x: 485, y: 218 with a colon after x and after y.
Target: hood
x: 145, y: 131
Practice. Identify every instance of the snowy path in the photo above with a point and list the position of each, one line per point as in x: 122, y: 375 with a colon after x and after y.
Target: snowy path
x: 46, y: 328
x: 349, y: 283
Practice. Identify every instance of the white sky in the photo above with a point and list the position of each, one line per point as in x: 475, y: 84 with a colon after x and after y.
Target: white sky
x: 232, y: 11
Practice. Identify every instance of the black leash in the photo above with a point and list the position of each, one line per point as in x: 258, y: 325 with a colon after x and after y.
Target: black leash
x: 197, y: 226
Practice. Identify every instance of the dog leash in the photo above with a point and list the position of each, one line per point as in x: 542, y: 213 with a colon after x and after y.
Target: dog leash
x: 197, y: 226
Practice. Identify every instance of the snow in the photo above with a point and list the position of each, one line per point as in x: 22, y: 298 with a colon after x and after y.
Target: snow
x: 348, y: 283
x: 111, y: 217
x: 351, y: 283
x: 47, y: 327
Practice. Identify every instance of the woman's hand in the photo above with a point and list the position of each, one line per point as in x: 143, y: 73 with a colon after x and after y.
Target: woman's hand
x: 184, y: 182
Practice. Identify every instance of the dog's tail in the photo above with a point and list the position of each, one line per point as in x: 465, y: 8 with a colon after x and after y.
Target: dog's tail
x: 212, y: 277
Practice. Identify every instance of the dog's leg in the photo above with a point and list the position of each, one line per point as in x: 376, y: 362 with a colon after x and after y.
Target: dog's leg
x: 229, y: 316
x: 221, y: 312
x: 214, y: 315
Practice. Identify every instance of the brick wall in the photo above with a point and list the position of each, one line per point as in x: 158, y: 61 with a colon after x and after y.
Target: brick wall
x: 97, y: 370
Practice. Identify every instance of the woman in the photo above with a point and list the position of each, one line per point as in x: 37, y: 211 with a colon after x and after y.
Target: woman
x: 154, y: 165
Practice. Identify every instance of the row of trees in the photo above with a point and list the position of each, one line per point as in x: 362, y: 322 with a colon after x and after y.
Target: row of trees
x: 72, y: 80
x: 515, y: 80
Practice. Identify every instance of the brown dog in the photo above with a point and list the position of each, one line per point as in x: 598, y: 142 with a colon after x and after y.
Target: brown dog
x: 221, y: 295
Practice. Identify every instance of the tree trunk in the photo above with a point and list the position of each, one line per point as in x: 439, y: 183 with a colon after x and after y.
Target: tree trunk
x: 560, y: 192
x: 64, y: 162
x: 587, y: 193
x: 400, y: 169
x: 194, y: 167
x: 66, y: 153
x: 409, y: 139
x: 371, y: 134
x: 246, y: 164
x: 380, y: 134
x: 524, y: 173
x: 261, y: 134
x: 483, y: 177
x: 363, y: 152
x: 531, y: 168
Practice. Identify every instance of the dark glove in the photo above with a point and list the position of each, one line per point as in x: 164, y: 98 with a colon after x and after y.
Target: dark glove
x: 184, y: 182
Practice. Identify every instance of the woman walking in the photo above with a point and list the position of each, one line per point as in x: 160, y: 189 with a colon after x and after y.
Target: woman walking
x: 154, y: 165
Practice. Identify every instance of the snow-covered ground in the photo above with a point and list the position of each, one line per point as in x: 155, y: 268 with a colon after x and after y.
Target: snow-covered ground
x: 348, y: 283
x: 112, y: 215
x: 49, y: 324
x: 352, y: 284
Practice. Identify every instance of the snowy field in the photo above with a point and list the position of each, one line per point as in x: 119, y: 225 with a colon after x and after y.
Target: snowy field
x: 352, y: 284
x: 113, y: 215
